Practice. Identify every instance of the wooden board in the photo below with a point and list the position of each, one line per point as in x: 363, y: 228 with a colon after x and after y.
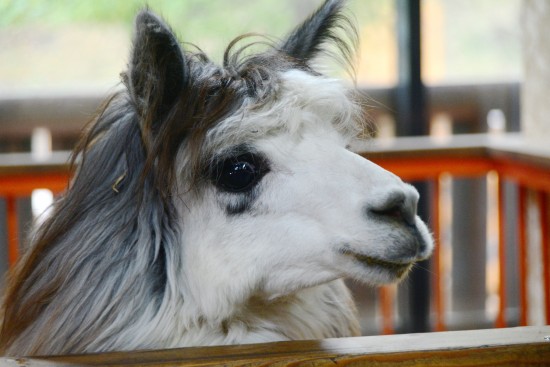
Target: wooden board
x: 525, y: 346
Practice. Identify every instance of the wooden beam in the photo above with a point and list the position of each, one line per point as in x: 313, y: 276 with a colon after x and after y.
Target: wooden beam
x: 493, y: 347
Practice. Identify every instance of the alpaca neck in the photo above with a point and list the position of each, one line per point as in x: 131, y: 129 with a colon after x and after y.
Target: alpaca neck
x: 324, y: 311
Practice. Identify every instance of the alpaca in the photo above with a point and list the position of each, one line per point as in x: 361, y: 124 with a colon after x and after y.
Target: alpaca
x: 215, y: 205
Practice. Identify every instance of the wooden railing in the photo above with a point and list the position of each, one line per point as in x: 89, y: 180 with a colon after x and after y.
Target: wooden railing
x: 20, y: 175
x: 509, y: 158
x: 525, y: 346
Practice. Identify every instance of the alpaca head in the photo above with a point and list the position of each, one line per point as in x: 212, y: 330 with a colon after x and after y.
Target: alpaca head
x: 269, y: 199
x: 202, y: 187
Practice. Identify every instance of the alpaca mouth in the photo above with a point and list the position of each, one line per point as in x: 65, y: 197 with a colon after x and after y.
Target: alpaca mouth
x: 398, y: 268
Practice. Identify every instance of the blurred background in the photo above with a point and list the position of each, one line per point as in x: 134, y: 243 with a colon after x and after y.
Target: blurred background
x: 61, y: 50
x: 63, y: 45
x: 458, y: 71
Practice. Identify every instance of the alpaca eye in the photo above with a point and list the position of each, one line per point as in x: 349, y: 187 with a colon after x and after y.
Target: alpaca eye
x: 239, y: 174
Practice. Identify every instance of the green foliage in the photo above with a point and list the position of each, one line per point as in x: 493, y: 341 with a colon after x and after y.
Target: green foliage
x: 60, y: 12
x: 211, y: 13
x: 208, y: 23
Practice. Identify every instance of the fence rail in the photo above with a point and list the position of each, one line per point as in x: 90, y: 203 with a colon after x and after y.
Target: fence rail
x: 504, y: 347
x: 512, y: 159
x: 508, y: 157
x: 20, y: 175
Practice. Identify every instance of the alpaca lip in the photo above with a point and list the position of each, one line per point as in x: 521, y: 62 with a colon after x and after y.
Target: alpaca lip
x: 398, y: 268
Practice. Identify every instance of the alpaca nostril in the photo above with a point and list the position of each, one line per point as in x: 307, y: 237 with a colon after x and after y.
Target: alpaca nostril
x: 396, y: 213
x: 396, y: 207
x: 392, y: 212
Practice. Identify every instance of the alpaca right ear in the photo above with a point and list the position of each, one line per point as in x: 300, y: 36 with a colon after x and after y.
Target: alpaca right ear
x: 307, y: 40
x: 158, y: 71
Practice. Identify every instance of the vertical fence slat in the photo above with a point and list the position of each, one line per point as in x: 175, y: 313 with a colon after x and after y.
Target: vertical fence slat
x: 13, y: 230
x: 522, y: 254
x: 543, y: 215
x: 386, y: 300
x: 437, y: 282
x: 501, y: 317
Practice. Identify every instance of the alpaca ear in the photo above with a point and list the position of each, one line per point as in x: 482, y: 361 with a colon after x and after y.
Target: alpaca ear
x: 158, y: 70
x: 306, y: 41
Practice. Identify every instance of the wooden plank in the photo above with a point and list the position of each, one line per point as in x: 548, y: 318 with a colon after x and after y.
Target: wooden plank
x: 411, y: 169
x: 493, y: 347
x: 512, y: 146
x: 24, y: 184
x: 20, y: 174
x: 25, y: 163
x: 412, y: 158
x: 510, y: 152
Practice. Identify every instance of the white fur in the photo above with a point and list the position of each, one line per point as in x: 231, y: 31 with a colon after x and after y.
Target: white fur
x: 274, y: 273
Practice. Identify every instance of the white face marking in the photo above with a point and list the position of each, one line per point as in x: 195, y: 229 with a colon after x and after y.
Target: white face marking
x: 320, y: 213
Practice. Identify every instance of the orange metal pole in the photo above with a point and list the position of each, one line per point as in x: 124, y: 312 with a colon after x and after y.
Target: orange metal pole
x: 385, y: 302
x: 501, y: 317
x: 522, y: 254
x: 13, y: 232
x: 543, y: 211
x: 437, y: 284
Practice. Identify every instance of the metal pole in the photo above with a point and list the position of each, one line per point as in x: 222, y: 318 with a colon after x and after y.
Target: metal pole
x: 411, y: 120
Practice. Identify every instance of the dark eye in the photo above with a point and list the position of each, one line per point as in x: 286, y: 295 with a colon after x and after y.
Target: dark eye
x: 241, y: 173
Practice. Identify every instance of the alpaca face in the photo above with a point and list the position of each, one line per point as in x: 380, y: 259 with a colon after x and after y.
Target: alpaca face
x: 205, y: 192
x: 288, y: 206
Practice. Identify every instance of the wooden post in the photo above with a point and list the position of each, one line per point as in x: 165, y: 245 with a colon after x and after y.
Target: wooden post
x: 437, y: 281
x: 522, y: 254
x: 501, y: 317
x: 545, y: 250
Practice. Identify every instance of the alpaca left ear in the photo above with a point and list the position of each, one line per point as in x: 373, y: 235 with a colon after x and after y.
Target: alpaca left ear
x: 306, y: 41
x: 158, y: 70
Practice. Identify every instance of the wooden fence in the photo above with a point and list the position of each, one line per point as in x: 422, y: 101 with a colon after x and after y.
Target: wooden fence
x: 507, y: 157
x: 524, y: 346
x: 510, y: 158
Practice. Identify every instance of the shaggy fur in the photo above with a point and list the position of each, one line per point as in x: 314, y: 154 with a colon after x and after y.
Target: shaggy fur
x: 214, y: 205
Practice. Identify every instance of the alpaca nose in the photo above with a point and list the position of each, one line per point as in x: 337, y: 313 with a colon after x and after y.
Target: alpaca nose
x: 397, y: 205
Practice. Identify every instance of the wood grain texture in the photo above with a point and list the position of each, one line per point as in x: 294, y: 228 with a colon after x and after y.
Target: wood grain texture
x: 525, y: 346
